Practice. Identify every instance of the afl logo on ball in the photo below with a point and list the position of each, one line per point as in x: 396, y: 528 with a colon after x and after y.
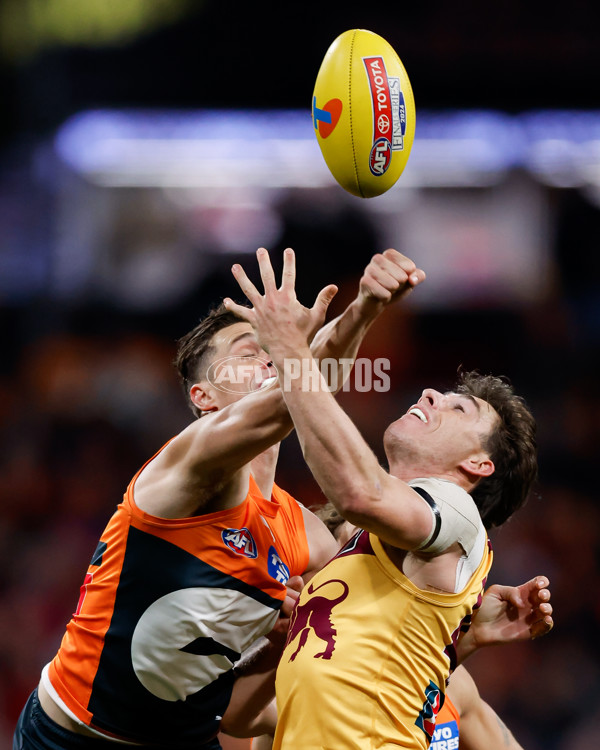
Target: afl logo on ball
x: 380, y: 157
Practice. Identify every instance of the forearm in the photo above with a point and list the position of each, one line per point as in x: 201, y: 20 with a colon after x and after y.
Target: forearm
x: 221, y: 442
x: 482, y: 727
x: 342, y: 336
x: 467, y: 645
x: 341, y: 461
x: 253, y: 691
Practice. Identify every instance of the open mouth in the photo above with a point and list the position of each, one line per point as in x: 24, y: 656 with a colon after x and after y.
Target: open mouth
x: 416, y: 412
x: 267, y: 382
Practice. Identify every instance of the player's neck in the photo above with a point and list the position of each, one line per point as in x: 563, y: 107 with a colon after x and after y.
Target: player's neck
x: 263, y: 470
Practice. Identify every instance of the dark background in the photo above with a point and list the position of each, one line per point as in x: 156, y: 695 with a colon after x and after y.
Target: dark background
x: 511, y: 55
x: 87, y: 392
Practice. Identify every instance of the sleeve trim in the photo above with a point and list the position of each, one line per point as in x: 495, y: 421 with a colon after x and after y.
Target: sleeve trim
x: 436, y: 515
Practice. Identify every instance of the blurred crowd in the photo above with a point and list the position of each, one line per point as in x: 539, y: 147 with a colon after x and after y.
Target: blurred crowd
x: 84, y: 404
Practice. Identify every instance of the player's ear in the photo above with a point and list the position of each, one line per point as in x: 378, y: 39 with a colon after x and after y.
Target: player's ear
x: 202, y: 396
x: 478, y: 466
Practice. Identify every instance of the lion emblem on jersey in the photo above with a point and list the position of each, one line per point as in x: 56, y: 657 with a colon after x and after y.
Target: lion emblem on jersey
x: 315, y: 614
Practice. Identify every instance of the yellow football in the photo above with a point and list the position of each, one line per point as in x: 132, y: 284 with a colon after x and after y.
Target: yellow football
x: 364, y: 113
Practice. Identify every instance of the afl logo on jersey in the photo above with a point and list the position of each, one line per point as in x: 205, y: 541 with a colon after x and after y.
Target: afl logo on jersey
x: 240, y: 541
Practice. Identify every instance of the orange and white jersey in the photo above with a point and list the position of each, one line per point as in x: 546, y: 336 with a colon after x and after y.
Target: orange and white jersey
x: 447, y: 727
x: 369, y: 653
x: 166, y: 608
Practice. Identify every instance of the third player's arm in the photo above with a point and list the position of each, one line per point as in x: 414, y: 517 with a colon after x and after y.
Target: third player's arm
x: 480, y: 726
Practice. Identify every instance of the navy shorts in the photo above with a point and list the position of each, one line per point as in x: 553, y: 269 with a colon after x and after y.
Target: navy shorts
x: 36, y: 731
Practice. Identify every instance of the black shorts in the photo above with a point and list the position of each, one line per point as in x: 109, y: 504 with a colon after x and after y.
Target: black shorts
x: 36, y: 731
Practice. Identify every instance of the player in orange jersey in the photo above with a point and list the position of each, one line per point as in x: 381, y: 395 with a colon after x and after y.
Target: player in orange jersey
x: 377, y: 628
x: 192, y: 567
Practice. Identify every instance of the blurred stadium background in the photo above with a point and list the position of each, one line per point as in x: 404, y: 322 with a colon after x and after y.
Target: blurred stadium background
x: 146, y: 145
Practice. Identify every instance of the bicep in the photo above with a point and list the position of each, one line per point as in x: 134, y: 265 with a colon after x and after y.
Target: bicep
x: 207, y: 453
x: 226, y: 440
x: 394, y: 512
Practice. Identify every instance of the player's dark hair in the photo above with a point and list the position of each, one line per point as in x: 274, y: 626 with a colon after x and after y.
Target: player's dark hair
x: 511, y: 446
x: 194, y: 350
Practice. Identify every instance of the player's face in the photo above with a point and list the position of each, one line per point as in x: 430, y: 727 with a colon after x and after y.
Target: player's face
x: 239, y: 365
x: 440, y: 431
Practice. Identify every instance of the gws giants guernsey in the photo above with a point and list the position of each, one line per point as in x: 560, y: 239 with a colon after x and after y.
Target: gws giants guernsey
x: 447, y: 725
x: 166, y: 608
x: 369, y: 653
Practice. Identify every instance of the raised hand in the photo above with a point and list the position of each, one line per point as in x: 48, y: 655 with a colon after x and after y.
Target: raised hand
x: 388, y: 277
x: 277, y: 316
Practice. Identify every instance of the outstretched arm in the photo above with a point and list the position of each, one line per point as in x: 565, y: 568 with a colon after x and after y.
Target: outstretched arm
x: 341, y: 461
x: 382, y: 284
x: 208, y: 452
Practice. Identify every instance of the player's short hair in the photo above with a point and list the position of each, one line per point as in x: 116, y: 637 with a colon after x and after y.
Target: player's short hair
x: 511, y: 446
x: 194, y: 350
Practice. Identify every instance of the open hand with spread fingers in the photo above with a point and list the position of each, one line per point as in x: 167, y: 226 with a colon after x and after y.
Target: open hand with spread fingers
x: 277, y: 316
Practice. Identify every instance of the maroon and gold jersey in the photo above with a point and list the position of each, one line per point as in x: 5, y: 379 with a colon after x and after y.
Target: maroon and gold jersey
x: 369, y: 653
x: 167, y: 607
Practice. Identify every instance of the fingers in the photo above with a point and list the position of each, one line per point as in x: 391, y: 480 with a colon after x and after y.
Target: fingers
x: 536, y: 590
x: 541, y: 627
x: 296, y: 583
x: 294, y: 586
x: 266, y: 270
x: 288, y: 276
x: 390, y: 274
x: 414, y: 275
x: 540, y: 619
x: 324, y: 298
x: 245, y: 284
x: 244, y: 312
x: 267, y: 275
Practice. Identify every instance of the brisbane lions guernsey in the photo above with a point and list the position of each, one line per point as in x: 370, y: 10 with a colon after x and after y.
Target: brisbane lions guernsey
x: 368, y: 653
x: 166, y: 608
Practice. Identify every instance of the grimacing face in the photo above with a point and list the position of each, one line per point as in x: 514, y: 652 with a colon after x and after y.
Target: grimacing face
x: 440, y: 432
x: 238, y: 365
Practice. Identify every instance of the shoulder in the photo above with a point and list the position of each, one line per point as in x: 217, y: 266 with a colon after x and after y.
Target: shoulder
x: 456, y: 516
x: 442, y: 490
